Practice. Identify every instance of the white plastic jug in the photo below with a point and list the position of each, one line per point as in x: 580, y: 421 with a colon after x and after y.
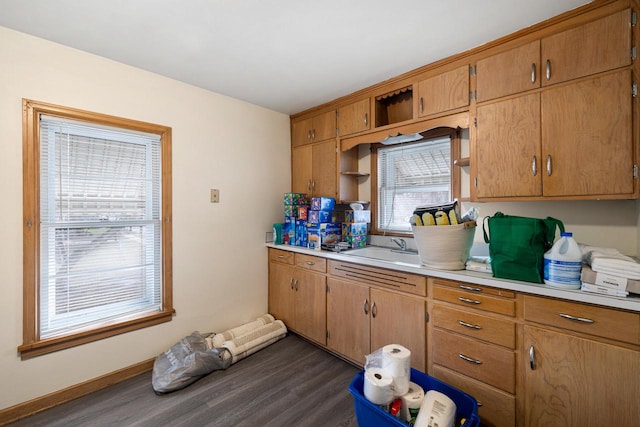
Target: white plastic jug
x: 563, y: 263
x: 437, y: 409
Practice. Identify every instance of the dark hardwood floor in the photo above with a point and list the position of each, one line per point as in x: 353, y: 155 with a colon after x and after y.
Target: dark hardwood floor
x: 289, y: 383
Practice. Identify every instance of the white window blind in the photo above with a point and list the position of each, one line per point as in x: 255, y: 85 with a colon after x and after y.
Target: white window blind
x: 100, y: 225
x: 411, y: 175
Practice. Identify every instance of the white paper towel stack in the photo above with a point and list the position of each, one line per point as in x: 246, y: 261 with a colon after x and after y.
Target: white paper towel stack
x: 387, y: 374
x: 411, y: 402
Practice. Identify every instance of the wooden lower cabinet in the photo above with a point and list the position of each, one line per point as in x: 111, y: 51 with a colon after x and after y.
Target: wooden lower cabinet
x: 376, y: 317
x: 572, y: 381
x: 297, y: 296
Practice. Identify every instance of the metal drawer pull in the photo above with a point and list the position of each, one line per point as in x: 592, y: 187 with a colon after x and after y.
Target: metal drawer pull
x: 470, y: 288
x: 548, y: 70
x: 469, y: 325
x: 534, y: 166
x: 470, y: 360
x: 311, y: 263
x: 549, y: 165
x: 470, y: 301
x: 478, y: 403
x: 280, y: 257
x: 577, y: 319
x: 366, y: 306
x: 532, y: 358
x: 533, y: 72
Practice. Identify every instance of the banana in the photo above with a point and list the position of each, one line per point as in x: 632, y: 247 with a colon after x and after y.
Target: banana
x: 442, y: 218
x: 427, y: 219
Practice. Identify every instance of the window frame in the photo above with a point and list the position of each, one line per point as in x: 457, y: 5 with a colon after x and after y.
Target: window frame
x: 32, y: 344
x: 455, y: 138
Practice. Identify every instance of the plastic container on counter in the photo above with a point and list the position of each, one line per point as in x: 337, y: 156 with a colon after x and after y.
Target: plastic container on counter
x: 563, y: 263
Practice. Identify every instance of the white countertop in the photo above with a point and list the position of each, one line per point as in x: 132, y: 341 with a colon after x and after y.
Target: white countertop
x: 477, y: 278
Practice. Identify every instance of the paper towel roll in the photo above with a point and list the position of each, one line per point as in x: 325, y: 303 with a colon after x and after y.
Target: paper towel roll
x: 218, y: 339
x: 396, y: 362
x: 411, y: 402
x: 378, y: 386
x: 436, y: 409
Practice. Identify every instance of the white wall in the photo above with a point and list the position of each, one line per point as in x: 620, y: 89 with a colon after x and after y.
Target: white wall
x: 219, y: 256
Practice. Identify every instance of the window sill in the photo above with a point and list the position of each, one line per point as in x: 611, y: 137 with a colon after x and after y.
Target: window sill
x: 46, y: 346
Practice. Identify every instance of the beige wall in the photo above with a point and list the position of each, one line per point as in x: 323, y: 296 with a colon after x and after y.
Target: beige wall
x: 219, y: 264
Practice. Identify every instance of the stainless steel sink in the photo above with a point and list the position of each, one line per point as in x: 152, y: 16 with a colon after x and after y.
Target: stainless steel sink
x: 386, y: 254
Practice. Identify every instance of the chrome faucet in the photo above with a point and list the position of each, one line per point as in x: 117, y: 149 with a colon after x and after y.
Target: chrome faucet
x: 400, y: 242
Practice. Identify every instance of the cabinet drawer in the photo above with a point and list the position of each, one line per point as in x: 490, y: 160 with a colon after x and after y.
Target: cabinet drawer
x: 599, y: 321
x: 475, y: 299
x: 310, y: 262
x: 495, y: 407
x: 379, y: 276
x: 281, y: 256
x: 485, y: 362
x: 485, y: 328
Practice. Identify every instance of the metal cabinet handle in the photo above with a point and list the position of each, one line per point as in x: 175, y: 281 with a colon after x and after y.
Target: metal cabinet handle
x: 366, y: 119
x: 532, y: 358
x: 469, y: 325
x: 421, y: 104
x: 291, y: 283
x: 534, y: 166
x: 313, y: 134
x: 470, y: 288
x: 469, y: 359
x: 548, y: 70
x: 309, y: 135
x: 310, y: 263
x: 549, y: 165
x: 295, y: 285
x: 533, y: 72
x: 313, y: 184
x: 469, y: 301
x: 309, y: 185
x: 575, y: 318
x: 365, y: 306
x: 280, y: 257
x: 374, y: 311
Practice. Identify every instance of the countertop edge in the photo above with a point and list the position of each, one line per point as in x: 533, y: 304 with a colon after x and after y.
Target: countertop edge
x: 477, y: 278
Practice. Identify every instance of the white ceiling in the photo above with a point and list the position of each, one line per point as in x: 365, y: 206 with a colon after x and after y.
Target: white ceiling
x: 285, y: 55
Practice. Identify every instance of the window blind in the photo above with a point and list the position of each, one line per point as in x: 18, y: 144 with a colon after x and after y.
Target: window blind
x: 411, y: 175
x: 100, y: 224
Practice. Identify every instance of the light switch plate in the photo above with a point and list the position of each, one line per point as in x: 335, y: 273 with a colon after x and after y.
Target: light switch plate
x: 215, y: 195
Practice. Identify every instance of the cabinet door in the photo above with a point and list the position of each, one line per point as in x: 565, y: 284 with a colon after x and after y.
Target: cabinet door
x: 354, y: 117
x: 586, y: 137
x: 399, y: 319
x: 514, y: 71
x: 301, y: 160
x: 311, y: 305
x: 324, y: 126
x: 579, y: 382
x: 301, y: 132
x: 348, y: 307
x: 444, y: 92
x: 591, y: 48
x: 508, y: 148
x: 324, y: 169
x: 281, y: 293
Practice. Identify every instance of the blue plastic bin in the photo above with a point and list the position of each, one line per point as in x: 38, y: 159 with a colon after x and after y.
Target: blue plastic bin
x: 371, y: 415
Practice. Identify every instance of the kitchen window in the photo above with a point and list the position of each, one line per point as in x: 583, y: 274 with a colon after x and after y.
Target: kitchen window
x: 97, y: 226
x: 412, y: 174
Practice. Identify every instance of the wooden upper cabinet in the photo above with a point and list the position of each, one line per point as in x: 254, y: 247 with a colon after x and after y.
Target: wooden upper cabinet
x: 508, y: 148
x: 514, y: 71
x: 324, y: 169
x: 354, y: 117
x: 587, y: 146
x: 591, y: 48
x: 314, y: 129
x: 301, y: 173
x: 444, y: 92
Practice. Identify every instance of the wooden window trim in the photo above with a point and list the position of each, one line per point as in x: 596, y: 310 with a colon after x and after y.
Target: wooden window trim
x: 455, y: 136
x: 32, y: 345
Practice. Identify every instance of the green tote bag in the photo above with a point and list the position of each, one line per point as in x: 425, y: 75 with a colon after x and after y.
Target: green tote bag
x: 517, y: 245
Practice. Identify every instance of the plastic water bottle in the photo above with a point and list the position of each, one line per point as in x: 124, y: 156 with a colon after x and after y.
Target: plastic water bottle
x: 563, y: 263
